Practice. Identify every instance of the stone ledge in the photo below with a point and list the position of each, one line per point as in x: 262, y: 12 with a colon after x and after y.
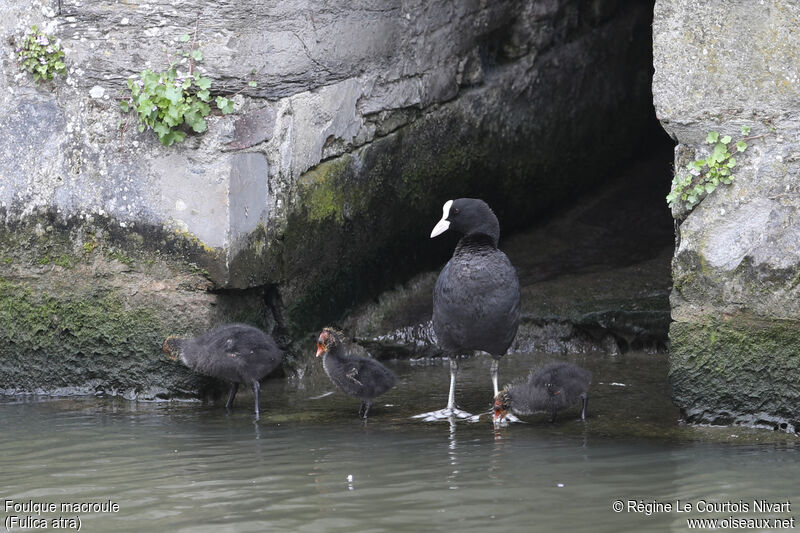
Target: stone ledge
x: 737, y: 370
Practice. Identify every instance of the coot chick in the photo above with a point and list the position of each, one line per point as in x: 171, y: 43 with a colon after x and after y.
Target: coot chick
x: 557, y: 386
x: 357, y: 376
x: 476, y: 297
x: 234, y: 352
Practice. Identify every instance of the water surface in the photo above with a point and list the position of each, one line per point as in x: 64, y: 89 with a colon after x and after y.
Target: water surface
x: 310, y: 465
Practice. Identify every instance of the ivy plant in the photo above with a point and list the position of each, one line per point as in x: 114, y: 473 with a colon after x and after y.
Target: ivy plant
x: 171, y: 101
x: 702, y: 176
x: 40, y: 54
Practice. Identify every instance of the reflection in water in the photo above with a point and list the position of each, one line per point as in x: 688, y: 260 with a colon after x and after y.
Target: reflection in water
x: 312, y: 465
x: 453, y: 455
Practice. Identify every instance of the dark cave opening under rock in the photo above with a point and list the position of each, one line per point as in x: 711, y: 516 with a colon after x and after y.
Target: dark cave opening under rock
x: 594, y: 267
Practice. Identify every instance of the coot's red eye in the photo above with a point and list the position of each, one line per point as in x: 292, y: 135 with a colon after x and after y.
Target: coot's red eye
x: 456, y: 211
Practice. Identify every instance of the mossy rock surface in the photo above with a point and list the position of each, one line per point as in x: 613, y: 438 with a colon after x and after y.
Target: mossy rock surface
x: 85, y: 307
x: 57, y: 341
x: 737, y: 370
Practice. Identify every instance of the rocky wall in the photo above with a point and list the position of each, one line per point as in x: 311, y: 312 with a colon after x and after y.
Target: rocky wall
x: 722, y: 66
x: 319, y: 190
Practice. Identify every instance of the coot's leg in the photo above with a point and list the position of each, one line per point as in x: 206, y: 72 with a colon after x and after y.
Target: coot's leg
x: 361, y: 409
x: 584, y: 403
x: 367, y: 404
x: 451, y: 396
x: 510, y: 417
x: 553, y: 411
x: 232, y: 395
x: 494, y: 375
x: 451, y: 410
x: 257, y: 394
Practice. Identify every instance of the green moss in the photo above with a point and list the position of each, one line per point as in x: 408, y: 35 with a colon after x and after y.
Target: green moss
x: 83, y: 326
x: 47, y: 239
x: 62, y: 340
x: 119, y: 255
x: 90, y: 245
x: 62, y: 260
x: 736, y: 369
x: 795, y: 281
x: 320, y: 193
x: 195, y: 241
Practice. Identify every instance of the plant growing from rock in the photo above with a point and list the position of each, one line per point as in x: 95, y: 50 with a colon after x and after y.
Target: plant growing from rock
x: 702, y: 176
x: 166, y: 101
x: 40, y: 54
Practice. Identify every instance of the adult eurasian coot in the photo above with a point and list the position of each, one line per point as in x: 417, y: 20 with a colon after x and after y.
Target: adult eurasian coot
x: 557, y: 386
x: 357, y: 376
x: 476, y: 297
x: 234, y: 352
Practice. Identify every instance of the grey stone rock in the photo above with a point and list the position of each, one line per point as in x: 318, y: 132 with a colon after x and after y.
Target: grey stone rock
x: 253, y: 128
x: 719, y: 67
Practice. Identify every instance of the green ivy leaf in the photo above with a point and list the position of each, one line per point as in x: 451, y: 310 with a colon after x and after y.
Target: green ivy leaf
x: 203, y: 108
x: 745, y: 130
x: 202, y: 83
x: 731, y: 162
x: 225, y: 105
x: 712, y: 137
x: 173, y: 116
x: 164, y: 103
x: 726, y: 139
x: 144, y: 107
x: 161, y: 129
x: 741, y: 146
x: 720, y: 153
x: 166, y: 139
x: 197, y: 123
x: 173, y: 94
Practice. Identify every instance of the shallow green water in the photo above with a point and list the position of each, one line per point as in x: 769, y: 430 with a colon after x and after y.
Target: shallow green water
x: 310, y: 465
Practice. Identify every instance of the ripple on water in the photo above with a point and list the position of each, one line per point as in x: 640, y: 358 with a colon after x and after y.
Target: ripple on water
x: 310, y: 465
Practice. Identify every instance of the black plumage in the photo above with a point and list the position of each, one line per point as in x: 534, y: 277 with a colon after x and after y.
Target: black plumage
x: 361, y: 377
x: 555, y: 387
x: 476, y: 299
x: 237, y: 353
